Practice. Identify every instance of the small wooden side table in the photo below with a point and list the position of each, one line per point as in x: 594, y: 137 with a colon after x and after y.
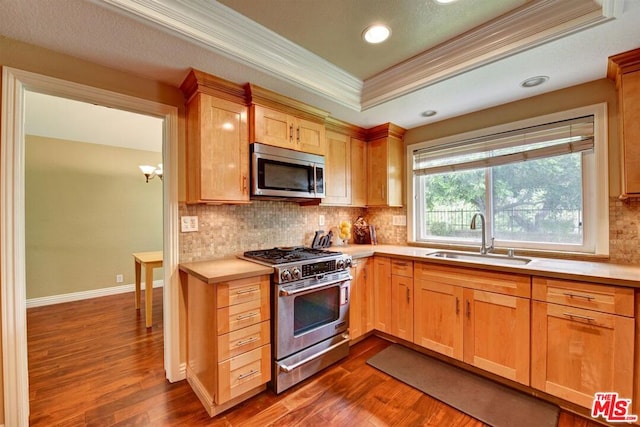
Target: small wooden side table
x: 148, y: 260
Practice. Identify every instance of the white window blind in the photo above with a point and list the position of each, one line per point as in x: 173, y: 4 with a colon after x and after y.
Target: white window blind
x: 536, y: 142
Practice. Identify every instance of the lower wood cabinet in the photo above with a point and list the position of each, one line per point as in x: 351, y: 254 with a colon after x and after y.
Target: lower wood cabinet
x: 382, y: 293
x: 228, y: 340
x: 393, y: 296
x: 479, y: 317
x: 402, y: 299
x: 361, y: 308
x: 582, y: 340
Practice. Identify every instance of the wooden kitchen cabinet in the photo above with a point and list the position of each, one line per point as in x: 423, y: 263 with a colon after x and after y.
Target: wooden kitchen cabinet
x: 345, y: 157
x: 280, y: 129
x: 393, y: 294
x: 337, y: 169
x: 228, y: 340
x: 285, y: 122
x: 582, y: 339
x: 385, y: 166
x: 624, y: 69
x: 358, y: 172
x: 362, y: 301
x: 217, y: 145
x: 382, y: 293
x: 479, y: 317
x: 402, y: 299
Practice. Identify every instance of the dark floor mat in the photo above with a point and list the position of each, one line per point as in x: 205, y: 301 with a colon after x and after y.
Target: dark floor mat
x: 483, y: 399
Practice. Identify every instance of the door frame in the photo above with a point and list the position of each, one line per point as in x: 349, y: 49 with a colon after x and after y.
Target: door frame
x: 12, y: 225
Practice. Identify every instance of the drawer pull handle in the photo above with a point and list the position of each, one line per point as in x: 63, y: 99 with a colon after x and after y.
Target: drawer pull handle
x: 247, y: 341
x: 246, y: 316
x: 248, y: 374
x: 400, y: 264
x: 579, y: 317
x: 247, y: 291
x: 571, y: 295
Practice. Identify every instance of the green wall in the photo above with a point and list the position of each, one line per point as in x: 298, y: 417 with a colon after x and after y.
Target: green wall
x: 88, y: 209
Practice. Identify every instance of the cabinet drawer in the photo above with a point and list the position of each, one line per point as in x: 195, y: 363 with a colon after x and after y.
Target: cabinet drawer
x: 242, y: 315
x: 401, y: 268
x: 242, y: 290
x: 243, y: 373
x: 243, y: 340
x: 518, y: 285
x: 604, y: 298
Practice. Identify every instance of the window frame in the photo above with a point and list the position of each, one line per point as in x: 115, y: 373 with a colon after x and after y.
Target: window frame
x: 595, y: 182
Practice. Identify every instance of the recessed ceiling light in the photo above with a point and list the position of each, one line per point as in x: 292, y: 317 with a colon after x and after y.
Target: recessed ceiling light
x: 376, y: 33
x: 444, y: 1
x: 429, y: 113
x: 534, y: 81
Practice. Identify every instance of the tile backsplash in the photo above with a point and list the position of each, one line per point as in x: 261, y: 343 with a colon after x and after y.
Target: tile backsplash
x: 227, y: 230
x: 624, y: 231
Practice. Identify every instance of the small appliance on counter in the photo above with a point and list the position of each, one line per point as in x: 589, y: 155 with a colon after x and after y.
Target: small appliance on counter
x: 310, y: 310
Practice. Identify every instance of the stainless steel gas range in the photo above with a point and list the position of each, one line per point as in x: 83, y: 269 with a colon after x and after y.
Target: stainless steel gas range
x: 310, y: 317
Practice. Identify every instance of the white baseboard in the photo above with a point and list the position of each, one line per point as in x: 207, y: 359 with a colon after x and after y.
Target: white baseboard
x: 94, y: 293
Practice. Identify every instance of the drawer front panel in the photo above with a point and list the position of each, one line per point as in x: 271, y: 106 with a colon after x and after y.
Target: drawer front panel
x: 242, y: 290
x: 518, y: 285
x: 240, y: 316
x: 603, y: 298
x: 402, y: 268
x: 243, y: 340
x: 243, y: 373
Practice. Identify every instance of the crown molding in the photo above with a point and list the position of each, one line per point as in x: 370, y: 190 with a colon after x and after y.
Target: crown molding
x: 232, y: 35
x: 531, y: 25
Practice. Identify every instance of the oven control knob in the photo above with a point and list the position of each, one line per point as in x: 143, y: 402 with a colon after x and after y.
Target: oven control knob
x: 340, y: 264
x: 297, y: 275
x: 347, y: 262
x: 285, y: 276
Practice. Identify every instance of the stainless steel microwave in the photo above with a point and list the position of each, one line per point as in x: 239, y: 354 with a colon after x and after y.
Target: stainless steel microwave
x: 282, y: 173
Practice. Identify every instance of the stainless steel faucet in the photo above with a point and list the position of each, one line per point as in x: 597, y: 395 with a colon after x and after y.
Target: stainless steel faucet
x: 483, y: 248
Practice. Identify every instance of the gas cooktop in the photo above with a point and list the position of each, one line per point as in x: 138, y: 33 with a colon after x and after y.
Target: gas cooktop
x: 283, y: 255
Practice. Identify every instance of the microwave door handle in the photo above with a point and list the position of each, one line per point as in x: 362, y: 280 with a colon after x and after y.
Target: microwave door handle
x: 315, y: 180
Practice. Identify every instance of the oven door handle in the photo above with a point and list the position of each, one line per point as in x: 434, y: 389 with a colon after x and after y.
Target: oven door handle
x: 290, y: 368
x: 307, y: 289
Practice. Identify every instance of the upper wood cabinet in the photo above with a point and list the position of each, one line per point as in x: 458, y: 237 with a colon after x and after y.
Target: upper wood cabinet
x: 337, y: 169
x: 284, y: 122
x: 217, y: 146
x: 345, y: 157
x: 385, y: 166
x: 624, y: 69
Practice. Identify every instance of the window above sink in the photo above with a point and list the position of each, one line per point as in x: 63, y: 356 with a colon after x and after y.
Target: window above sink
x: 542, y: 184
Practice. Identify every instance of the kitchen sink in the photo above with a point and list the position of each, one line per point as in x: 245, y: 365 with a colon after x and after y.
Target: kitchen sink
x: 492, y: 259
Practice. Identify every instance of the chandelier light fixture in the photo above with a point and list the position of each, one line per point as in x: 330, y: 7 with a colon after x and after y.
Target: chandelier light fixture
x: 151, y: 172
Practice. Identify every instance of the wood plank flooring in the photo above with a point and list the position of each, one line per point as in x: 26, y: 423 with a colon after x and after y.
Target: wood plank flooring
x: 93, y: 363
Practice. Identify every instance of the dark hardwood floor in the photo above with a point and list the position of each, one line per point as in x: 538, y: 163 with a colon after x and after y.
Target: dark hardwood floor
x: 94, y: 363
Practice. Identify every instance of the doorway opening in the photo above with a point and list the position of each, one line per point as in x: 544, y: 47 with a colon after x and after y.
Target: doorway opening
x: 15, y: 83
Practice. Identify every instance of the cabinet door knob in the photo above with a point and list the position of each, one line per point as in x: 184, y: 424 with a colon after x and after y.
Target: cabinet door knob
x: 468, y: 309
x: 457, y: 306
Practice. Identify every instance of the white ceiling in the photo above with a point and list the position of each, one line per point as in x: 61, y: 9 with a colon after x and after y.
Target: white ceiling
x: 53, y: 117
x: 162, y: 39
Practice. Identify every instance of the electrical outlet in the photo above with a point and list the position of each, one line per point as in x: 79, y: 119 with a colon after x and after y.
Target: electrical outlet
x: 400, y: 220
x: 188, y: 224
x: 119, y: 278
x: 320, y: 219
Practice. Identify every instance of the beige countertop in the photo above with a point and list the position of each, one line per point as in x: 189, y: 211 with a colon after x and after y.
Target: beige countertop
x: 221, y: 270
x: 598, y: 272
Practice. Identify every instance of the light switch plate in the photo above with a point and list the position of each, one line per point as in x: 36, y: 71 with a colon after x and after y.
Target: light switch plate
x: 188, y: 224
x: 400, y: 220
